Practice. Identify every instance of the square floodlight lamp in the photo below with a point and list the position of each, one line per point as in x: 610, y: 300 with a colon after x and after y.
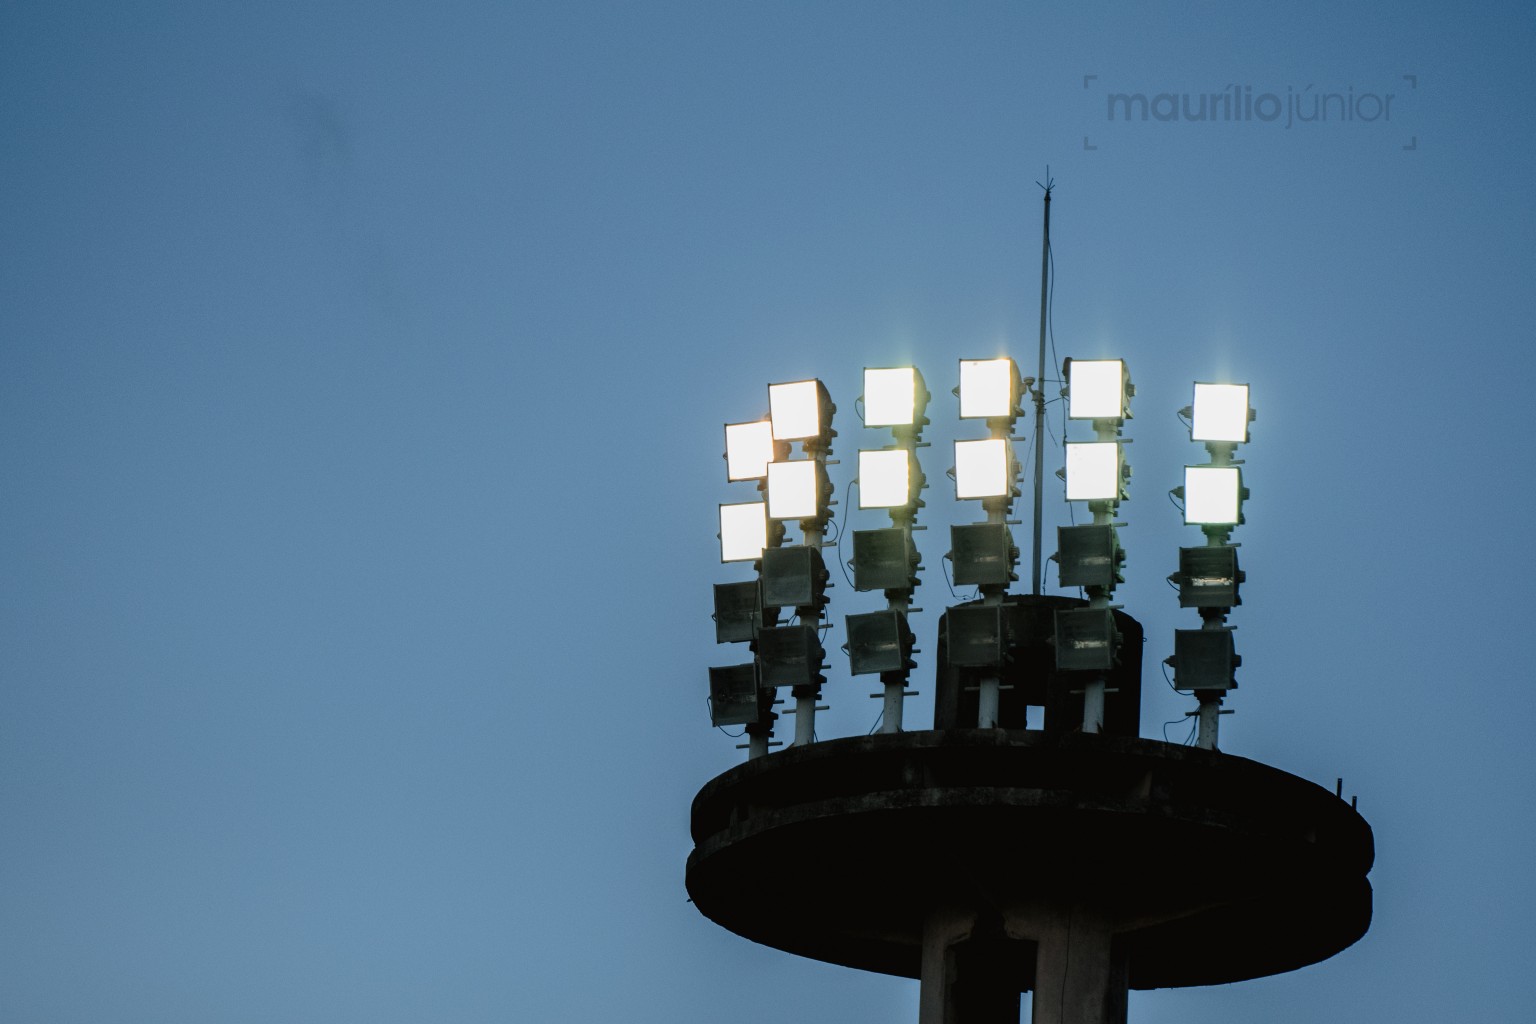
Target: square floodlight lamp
x: 793, y: 492
x: 798, y: 410
x: 738, y: 612
x: 743, y: 531
x: 1096, y: 389
x: 1220, y: 413
x: 989, y: 389
x: 1213, y: 495
x: 883, y: 559
x: 982, y: 469
x: 982, y: 554
x: 1208, y: 577
x: 1204, y: 659
x: 1093, y: 470
x: 878, y: 642
x: 885, y: 478
x: 733, y: 696
x: 748, y: 450
x: 1085, y: 639
x: 789, y: 656
x: 891, y: 396
x: 793, y: 577
x: 1086, y: 556
x: 975, y: 636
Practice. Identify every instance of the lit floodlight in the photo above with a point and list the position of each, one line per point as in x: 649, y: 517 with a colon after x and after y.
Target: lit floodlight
x: 893, y: 397
x: 743, y: 531
x: 1213, y: 495
x: 1093, y: 470
x: 792, y: 490
x: 1220, y: 413
x: 748, y: 450
x: 885, y: 478
x: 982, y: 469
x: 1096, y: 389
x: 799, y: 410
x: 989, y: 389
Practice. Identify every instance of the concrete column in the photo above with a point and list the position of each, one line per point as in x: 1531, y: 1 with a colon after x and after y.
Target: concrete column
x: 1080, y: 975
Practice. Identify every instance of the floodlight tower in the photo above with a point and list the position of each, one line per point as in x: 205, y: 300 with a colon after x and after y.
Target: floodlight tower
x: 887, y: 559
x: 1204, y: 660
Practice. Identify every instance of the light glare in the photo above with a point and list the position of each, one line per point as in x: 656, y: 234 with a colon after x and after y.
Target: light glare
x: 795, y: 410
x: 792, y: 489
x: 748, y: 450
x: 981, y: 469
x: 1096, y: 389
x: 890, y: 396
x: 1220, y: 413
x: 1093, y: 471
x: 986, y: 388
x: 743, y: 531
x: 885, y: 478
x: 1212, y: 495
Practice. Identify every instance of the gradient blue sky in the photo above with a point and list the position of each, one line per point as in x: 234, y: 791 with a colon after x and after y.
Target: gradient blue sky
x: 362, y: 370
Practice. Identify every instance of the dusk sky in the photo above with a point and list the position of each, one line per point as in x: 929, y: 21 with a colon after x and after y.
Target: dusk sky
x: 362, y: 374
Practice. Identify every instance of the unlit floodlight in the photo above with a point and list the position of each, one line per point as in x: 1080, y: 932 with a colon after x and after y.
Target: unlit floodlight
x: 975, y: 636
x: 794, y: 577
x: 1096, y: 389
x: 884, y: 559
x: 885, y: 478
x: 733, y: 697
x: 982, y: 469
x: 743, y: 531
x: 989, y: 389
x: 738, y: 612
x: 982, y: 554
x: 893, y: 396
x: 1204, y: 659
x: 879, y: 642
x: 748, y: 450
x: 1093, y: 470
x: 799, y: 410
x: 1213, y: 495
x: 1086, y: 640
x: 1220, y: 413
x: 794, y: 489
x: 1088, y: 555
x: 789, y: 656
x: 1208, y: 577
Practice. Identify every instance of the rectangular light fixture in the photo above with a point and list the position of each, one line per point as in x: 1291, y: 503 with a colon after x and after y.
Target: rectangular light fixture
x: 1086, y: 640
x: 799, y: 410
x: 878, y: 642
x: 982, y: 469
x: 892, y: 396
x: 793, y: 489
x: 794, y: 576
x: 1087, y: 555
x: 1204, y: 659
x: 1208, y: 577
x: 982, y: 554
x: 738, y: 612
x: 885, y: 478
x: 1220, y: 413
x: 733, y: 698
x: 748, y: 450
x: 743, y: 531
x: 974, y: 635
x: 1093, y: 470
x: 789, y: 656
x: 989, y: 389
x: 1213, y: 495
x: 1096, y: 389
x: 883, y: 559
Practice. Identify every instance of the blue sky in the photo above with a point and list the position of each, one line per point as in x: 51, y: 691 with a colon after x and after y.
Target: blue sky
x: 361, y: 380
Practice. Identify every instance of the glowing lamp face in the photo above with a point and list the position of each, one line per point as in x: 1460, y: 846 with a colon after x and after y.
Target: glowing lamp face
x: 981, y: 469
x: 743, y: 531
x: 1096, y: 389
x: 1212, y: 495
x: 1093, y: 470
x: 795, y: 410
x: 890, y: 396
x: 792, y: 490
x: 885, y: 479
x: 986, y: 388
x: 1220, y: 413
x: 748, y: 450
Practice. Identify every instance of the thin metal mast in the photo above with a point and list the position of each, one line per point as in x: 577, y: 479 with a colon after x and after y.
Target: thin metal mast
x: 1045, y: 258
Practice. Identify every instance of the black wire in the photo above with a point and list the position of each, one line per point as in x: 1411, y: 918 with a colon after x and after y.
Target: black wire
x: 878, y: 719
x: 839, y: 542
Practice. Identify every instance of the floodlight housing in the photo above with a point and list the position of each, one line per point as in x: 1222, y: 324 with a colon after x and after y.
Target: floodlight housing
x: 733, y: 695
x: 884, y: 559
x: 739, y: 612
x: 1094, y: 471
x: 983, y: 469
x: 1088, y: 555
x: 749, y: 447
x: 800, y: 410
x: 894, y: 397
x: 975, y: 636
x: 1213, y: 495
x: 1208, y: 577
x: 743, y: 531
x: 885, y: 478
x: 982, y: 554
x: 989, y: 389
x: 879, y: 642
x: 1086, y: 640
x: 789, y: 656
x: 1097, y: 389
x: 1220, y: 413
x: 794, y: 576
x: 796, y: 489
x: 1204, y: 659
